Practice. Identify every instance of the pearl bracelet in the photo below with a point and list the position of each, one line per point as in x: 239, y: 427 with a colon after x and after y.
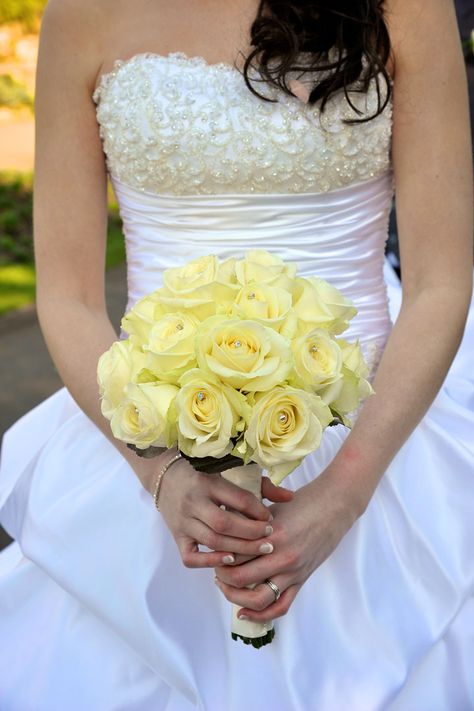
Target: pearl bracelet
x: 159, y: 479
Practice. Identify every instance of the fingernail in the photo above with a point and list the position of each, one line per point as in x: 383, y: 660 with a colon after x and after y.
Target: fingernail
x: 242, y: 617
x: 217, y: 581
x: 271, y: 517
x: 266, y: 548
x: 228, y: 559
x: 269, y: 530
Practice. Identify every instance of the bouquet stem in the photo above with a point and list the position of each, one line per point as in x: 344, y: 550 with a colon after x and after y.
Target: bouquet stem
x: 258, y: 634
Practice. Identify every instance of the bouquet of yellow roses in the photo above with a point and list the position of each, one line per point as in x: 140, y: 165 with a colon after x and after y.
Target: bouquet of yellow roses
x: 235, y: 362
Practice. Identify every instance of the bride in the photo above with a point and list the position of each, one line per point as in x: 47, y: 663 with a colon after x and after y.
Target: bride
x: 108, y: 604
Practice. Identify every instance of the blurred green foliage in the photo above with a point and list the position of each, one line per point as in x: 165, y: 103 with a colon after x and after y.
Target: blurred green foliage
x: 17, y: 277
x: 13, y: 94
x: 16, y: 243
x: 25, y: 11
x: 17, y: 286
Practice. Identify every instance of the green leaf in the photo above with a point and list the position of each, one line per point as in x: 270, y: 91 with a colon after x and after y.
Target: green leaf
x: 257, y: 642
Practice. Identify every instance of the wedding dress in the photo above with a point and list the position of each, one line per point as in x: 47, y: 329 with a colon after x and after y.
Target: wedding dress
x: 97, y: 612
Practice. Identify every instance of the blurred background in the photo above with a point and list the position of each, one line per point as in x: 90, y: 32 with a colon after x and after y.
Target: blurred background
x: 27, y: 374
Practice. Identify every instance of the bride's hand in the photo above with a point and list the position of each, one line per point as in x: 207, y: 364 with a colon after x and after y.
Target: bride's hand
x: 306, y: 531
x: 190, y: 504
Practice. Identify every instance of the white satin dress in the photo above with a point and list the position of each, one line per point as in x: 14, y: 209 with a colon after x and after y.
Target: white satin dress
x: 97, y: 612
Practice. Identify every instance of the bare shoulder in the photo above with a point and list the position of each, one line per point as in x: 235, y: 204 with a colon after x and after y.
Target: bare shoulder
x: 79, y: 15
x: 422, y: 32
x: 73, y: 34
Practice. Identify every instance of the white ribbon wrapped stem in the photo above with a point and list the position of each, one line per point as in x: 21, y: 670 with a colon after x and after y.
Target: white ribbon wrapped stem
x: 249, y: 477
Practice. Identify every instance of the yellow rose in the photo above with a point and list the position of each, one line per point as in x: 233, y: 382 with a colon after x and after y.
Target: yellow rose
x: 317, y: 304
x: 226, y: 272
x: 353, y: 357
x: 170, y: 347
x: 269, y: 305
x: 118, y: 366
x: 209, y: 415
x: 138, y: 321
x: 193, y: 275
x: 146, y: 417
x: 202, y: 286
x: 355, y: 386
x: 243, y: 354
x: 286, y: 424
x: 318, y: 364
x: 262, y: 267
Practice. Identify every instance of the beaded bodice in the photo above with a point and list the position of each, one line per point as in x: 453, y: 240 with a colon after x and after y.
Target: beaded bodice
x: 172, y: 124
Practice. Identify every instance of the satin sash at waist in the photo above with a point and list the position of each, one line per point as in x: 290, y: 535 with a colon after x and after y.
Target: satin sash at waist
x: 339, y: 236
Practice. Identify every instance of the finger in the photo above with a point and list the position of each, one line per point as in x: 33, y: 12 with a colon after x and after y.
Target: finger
x: 256, y: 570
x: 217, y: 542
x: 279, y: 608
x: 277, y: 494
x: 239, y: 559
x: 233, y: 497
x: 231, y: 524
x: 192, y: 557
x: 258, y: 599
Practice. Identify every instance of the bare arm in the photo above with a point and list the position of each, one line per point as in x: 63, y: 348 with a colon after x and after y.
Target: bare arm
x: 70, y: 221
x: 433, y: 182
x: 70, y: 207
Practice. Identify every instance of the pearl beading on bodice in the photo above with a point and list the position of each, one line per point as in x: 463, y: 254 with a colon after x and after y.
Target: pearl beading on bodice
x: 177, y: 125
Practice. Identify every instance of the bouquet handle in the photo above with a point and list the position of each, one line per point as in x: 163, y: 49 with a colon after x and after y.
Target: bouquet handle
x: 258, y: 634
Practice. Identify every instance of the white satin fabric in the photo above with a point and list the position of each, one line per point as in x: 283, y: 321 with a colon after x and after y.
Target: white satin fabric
x: 97, y: 612
x: 338, y: 235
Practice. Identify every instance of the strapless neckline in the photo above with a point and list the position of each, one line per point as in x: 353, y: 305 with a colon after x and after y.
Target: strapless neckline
x: 174, y: 56
x: 178, y: 124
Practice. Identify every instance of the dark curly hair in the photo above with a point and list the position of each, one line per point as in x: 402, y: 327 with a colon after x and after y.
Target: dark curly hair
x: 348, y: 40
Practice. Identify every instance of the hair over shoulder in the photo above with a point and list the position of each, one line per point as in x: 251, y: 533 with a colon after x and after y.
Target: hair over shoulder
x: 347, y: 41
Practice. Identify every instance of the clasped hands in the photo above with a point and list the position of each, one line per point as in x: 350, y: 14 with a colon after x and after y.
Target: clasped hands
x: 250, y: 542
